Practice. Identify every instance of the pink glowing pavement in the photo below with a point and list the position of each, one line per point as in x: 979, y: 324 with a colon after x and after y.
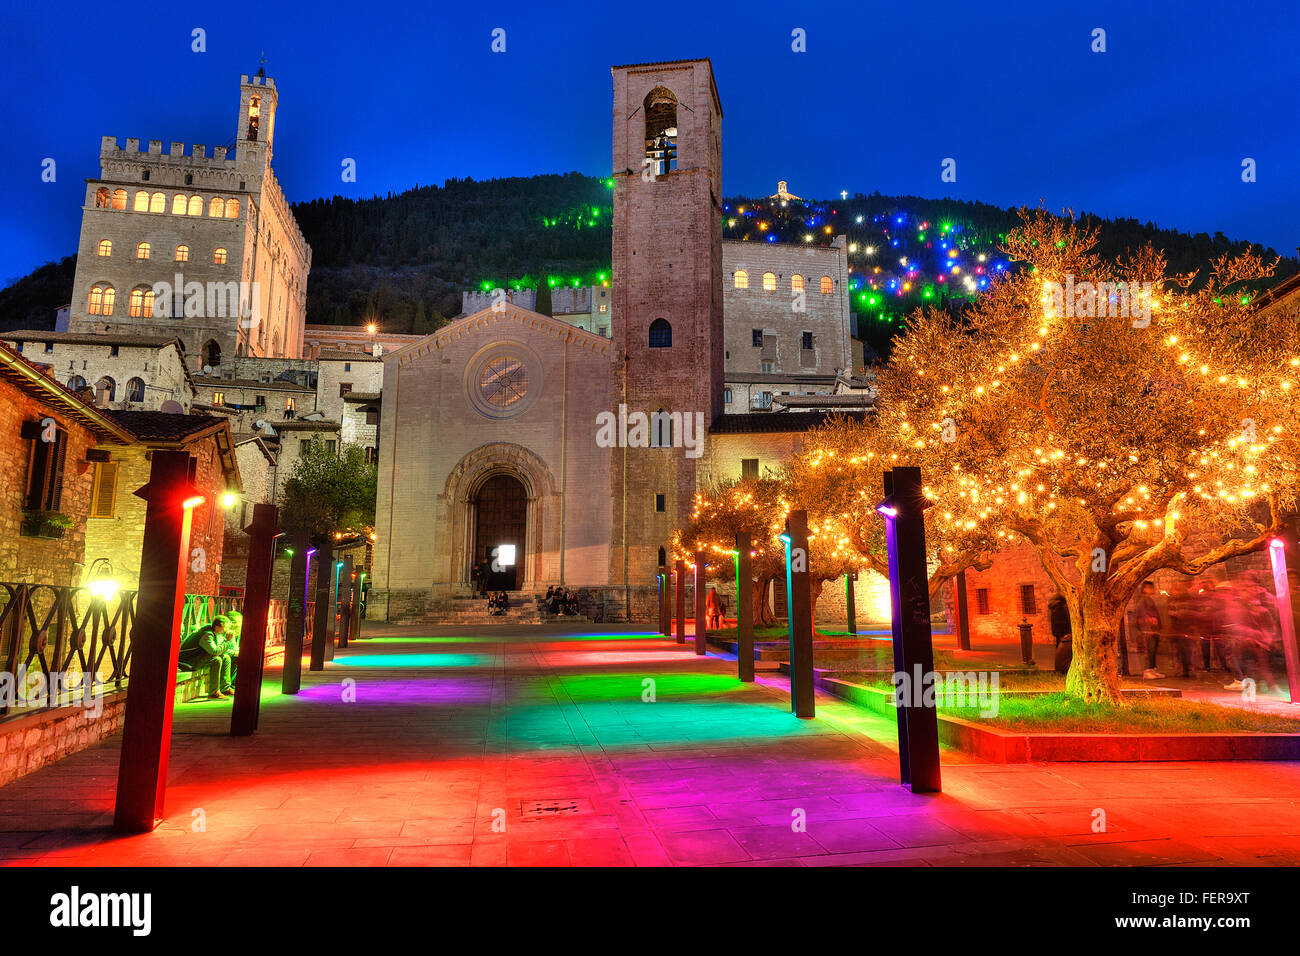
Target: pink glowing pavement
x: 588, y: 746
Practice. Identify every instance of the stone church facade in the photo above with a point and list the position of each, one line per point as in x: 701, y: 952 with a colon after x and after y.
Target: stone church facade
x: 510, y: 431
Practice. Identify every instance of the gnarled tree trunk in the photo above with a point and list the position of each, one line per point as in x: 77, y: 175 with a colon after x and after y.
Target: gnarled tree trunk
x: 763, y: 616
x: 1094, y: 626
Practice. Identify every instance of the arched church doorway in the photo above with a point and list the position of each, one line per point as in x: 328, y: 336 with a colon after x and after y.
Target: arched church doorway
x: 500, y: 517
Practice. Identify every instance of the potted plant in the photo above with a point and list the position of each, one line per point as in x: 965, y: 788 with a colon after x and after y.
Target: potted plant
x: 39, y: 523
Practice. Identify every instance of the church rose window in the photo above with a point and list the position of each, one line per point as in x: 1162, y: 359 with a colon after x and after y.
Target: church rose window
x: 504, y: 381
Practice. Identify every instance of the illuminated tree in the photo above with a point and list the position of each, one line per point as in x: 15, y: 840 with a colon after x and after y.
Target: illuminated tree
x: 756, y: 507
x: 1118, y: 421
x: 838, y: 477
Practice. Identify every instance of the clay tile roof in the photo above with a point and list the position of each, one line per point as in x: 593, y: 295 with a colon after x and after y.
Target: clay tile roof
x: 166, y: 426
x: 343, y: 355
x: 127, y: 338
x: 362, y: 397
x: 775, y: 421
x: 298, y: 425
x: 32, y: 379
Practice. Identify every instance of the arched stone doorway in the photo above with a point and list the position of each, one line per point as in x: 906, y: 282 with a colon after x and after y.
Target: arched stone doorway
x: 458, y: 511
x: 500, y: 531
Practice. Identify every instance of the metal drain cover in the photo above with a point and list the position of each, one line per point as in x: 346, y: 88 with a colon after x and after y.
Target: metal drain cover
x: 550, y: 808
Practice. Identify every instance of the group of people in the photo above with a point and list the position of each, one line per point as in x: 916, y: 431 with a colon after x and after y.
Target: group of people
x: 498, y: 602
x: 1234, y: 625
x: 558, y: 600
x: 214, y: 646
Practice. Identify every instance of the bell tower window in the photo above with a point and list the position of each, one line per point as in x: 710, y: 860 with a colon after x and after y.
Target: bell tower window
x: 661, y: 130
x: 254, y: 115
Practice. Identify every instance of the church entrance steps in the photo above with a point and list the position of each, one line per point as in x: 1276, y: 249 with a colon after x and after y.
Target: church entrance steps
x: 522, y: 609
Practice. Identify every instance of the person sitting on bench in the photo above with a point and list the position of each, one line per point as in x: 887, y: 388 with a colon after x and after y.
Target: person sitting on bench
x: 208, y: 647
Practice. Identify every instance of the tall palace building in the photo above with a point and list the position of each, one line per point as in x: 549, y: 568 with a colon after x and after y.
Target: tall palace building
x: 194, y: 246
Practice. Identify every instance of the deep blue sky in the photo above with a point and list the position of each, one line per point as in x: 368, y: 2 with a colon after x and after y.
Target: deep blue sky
x: 1154, y: 128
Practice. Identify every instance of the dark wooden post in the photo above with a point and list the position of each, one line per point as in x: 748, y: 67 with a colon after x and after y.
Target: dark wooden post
x: 295, y: 615
x: 798, y: 590
x: 744, y: 608
x: 681, y: 601
x: 345, y: 602
x: 354, y: 632
x: 257, y: 604
x: 155, y: 643
x: 963, y: 613
x: 909, y: 593
x: 665, y: 625
x: 701, y: 596
x: 850, y: 610
x: 322, y: 628
x: 332, y: 623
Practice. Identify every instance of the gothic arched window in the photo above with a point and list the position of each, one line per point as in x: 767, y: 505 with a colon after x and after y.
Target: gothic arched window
x: 661, y: 334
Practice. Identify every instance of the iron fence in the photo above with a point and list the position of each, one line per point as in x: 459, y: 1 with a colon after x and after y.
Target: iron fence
x: 57, y: 643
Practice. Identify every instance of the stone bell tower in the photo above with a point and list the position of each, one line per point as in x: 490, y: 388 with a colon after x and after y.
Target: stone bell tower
x: 256, y: 131
x: 667, y: 286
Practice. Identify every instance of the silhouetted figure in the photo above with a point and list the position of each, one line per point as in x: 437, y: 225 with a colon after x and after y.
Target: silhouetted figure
x: 1147, y: 626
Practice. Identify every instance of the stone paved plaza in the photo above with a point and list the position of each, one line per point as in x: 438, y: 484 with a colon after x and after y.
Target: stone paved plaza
x: 534, y: 746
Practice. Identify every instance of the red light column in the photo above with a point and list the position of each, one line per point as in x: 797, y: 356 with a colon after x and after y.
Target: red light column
x: 155, y: 643
x: 701, y: 593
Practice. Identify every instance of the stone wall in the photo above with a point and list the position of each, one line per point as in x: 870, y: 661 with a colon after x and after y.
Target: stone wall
x: 30, y: 741
x: 29, y: 559
x: 119, y: 538
x: 774, y: 313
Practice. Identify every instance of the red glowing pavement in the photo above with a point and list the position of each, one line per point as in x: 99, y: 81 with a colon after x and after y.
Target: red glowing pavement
x: 598, y: 746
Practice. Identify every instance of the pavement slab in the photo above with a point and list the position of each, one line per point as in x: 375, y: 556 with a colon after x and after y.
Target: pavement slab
x: 587, y: 745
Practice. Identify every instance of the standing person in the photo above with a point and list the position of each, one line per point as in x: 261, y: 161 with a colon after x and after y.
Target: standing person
x: 1234, y: 634
x: 1183, y: 626
x: 1123, y: 646
x: 1147, y: 625
x: 1058, y: 615
x: 1205, y: 613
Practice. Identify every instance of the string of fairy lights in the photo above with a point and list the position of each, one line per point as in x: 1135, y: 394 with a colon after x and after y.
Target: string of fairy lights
x: 897, y: 260
x: 1240, y: 414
